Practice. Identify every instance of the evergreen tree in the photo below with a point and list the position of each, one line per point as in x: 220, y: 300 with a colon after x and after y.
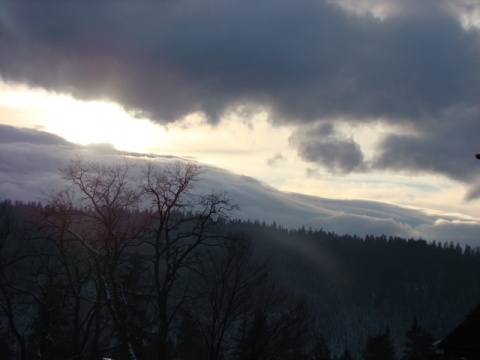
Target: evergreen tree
x: 379, y: 347
x: 189, y: 342
x: 321, y: 350
x: 253, y: 342
x: 418, y: 342
x: 346, y: 355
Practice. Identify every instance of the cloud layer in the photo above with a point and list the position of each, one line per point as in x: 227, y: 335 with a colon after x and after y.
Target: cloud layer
x: 412, y: 65
x: 30, y: 168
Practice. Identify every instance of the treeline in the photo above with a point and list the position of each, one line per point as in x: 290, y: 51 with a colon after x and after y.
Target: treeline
x: 130, y: 263
x: 359, y: 286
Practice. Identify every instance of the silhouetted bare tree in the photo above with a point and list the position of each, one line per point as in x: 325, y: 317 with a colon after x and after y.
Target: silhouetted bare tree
x: 99, y: 210
x: 183, y: 222
x: 228, y: 281
x: 10, y: 254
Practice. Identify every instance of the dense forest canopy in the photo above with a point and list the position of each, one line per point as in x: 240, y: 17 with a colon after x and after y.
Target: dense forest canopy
x: 145, y: 268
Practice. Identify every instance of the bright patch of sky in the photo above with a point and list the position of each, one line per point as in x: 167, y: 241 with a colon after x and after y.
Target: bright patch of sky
x: 80, y: 122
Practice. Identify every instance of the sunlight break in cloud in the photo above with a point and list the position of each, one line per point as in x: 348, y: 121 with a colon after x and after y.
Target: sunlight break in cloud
x: 81, y: 122
x: 239, y: 144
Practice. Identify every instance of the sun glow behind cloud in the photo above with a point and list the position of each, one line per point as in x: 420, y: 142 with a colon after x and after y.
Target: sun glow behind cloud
x: 81, y: 122
x: 239, y: 144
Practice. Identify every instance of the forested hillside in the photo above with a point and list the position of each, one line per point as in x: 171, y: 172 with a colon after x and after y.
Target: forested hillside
x: 360, y: 286
x: 142, y: 268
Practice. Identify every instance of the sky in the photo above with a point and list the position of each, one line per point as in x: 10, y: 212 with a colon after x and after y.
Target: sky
x: 341, y: 99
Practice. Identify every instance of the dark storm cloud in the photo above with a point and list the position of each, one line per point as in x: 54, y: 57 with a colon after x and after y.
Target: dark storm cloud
x: 445, y: 145
x: 305, y: 61
x: 442, y: 145
x: 322, y: 144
